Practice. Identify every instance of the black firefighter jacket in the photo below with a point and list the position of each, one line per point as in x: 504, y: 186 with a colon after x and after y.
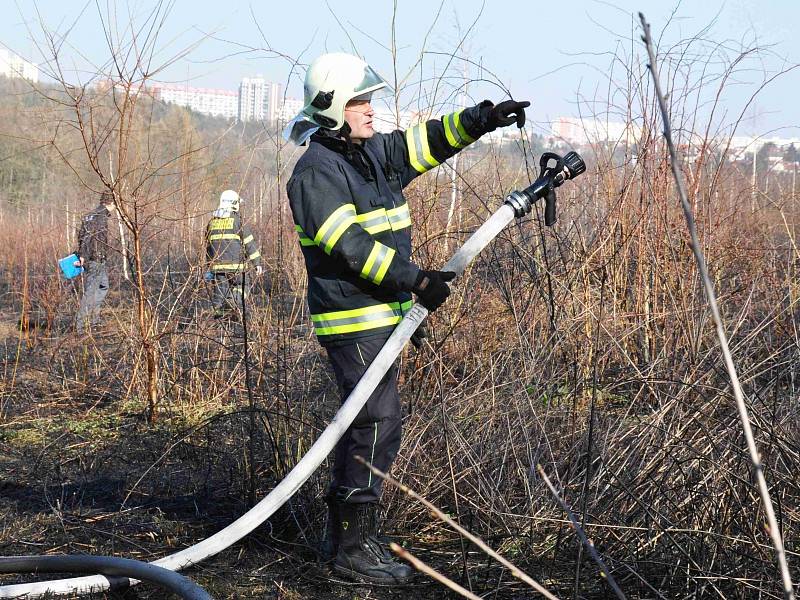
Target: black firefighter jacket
x: 354, y: 224
x: 226, y: 238
x: 93, y: 235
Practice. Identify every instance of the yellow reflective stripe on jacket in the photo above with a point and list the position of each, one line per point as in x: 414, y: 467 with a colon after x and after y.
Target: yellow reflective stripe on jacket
x: 454, y: 131
x: 460, y: 128
x: 374, y: 221
x: 248, y: 239
x: 359, y: 319
x: 334, y: 226
x: 419, y: 152
x: 304, y: 239
x: 377, y: 263
x: 399, y: 218
x: 228, y: 267
x: 255, y: 255
x: 223, y: 236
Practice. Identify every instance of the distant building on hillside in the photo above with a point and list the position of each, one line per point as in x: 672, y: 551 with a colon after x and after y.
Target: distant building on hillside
x: 583, y: 131
x: 207, y: 101
x: 14, y: 66
x: 289, y: 109
x: 741, y: 145
x: 387, y: 120
x: 259, y: 100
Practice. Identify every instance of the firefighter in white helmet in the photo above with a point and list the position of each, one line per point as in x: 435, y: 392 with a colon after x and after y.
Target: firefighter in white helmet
x: 231, y: 249
x: 354, y: 227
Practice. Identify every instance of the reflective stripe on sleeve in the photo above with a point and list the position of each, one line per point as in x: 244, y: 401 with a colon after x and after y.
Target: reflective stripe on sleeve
x: 454, y: 131
x: 419, y: 152
x: 248, y: 239
x: 334, y: 226
x: 304, y: 239
x: 400, y: 217
x: 377, y: 263
x: 255, y: 255
x: 374, y: 221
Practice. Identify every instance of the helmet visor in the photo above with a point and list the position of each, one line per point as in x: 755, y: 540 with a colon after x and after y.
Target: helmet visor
x: 371, y: 82
x: 299, y: 129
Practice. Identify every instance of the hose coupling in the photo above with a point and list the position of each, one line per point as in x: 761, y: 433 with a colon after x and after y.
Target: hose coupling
x: 520, y: 202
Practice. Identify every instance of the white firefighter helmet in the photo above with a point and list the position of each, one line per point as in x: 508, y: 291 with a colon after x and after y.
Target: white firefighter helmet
x: 229, y: 200
x: 332, y: 80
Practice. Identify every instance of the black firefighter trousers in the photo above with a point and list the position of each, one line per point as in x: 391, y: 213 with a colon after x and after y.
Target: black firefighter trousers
x: 375, y: 433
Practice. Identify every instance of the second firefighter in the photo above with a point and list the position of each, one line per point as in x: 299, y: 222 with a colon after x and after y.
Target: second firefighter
x: 230, y: 249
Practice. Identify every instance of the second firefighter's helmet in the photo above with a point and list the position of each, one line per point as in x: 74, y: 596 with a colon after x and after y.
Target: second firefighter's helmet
x: 331, y: 82
x: 229, y: 201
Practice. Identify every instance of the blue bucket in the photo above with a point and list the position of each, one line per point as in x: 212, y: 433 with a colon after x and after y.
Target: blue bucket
x: 68, y: 268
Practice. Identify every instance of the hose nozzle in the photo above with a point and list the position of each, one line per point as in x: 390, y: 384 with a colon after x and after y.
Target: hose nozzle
x: 550, y: 177
x: 574, y: 164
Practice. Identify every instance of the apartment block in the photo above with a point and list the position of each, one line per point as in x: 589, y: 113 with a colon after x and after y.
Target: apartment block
x: 207, y: 101
x: 14, y: 66
x: 259, y: 100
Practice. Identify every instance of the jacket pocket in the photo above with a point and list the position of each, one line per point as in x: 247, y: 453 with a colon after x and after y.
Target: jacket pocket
x: 395, y: 186
x: 348, y: 288
x: 325, y: 292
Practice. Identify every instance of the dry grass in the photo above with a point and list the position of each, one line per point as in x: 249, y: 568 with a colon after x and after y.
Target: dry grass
x: 669, y: 503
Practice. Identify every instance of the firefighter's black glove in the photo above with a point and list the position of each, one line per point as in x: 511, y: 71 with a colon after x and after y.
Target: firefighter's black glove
x: 432, y: 289
x: 420, y: 334
x: 506, y: 113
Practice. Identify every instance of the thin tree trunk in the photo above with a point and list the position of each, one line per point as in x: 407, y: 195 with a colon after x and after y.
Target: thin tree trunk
x: 145, y: 319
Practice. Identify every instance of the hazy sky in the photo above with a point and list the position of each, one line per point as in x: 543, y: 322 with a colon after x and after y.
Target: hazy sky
x: 558, y: 55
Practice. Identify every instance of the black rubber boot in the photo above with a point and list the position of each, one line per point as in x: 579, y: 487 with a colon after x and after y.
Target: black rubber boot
x: 376, y: 532
x: 361, y: 556
x: 330, y: 541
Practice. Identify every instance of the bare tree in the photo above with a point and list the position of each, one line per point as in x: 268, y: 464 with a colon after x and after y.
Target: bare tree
x: 112, y: 114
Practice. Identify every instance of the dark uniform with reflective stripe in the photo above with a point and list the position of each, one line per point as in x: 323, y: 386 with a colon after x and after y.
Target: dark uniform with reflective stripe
x: 227, y: 240
x: 355, y: 231
x: 93, y: 249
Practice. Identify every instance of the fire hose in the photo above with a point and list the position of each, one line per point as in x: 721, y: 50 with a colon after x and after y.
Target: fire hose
x: 517, y: 204
x: 108, y: 565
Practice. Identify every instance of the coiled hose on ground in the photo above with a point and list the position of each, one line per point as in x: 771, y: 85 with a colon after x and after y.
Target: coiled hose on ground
x: 119, y: 570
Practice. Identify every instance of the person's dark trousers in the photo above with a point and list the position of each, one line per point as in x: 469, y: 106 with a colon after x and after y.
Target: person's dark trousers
x: 228, y: 291
x: 95, y: 289
x: 375, y: 433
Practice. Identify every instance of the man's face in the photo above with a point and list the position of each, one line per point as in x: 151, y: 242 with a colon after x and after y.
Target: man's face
x: 358, y: 114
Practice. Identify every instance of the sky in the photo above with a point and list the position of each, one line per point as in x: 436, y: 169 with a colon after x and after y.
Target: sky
x: 559, y: 57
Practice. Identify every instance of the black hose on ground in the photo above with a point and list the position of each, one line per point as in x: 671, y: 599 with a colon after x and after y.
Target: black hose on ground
x: 107, y: 565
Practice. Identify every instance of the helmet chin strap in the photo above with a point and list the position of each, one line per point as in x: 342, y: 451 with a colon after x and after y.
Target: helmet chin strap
x: 344, y: 133
x: 355, y: 157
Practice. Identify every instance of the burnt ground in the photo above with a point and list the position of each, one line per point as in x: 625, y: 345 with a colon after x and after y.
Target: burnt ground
x: 83, y: 472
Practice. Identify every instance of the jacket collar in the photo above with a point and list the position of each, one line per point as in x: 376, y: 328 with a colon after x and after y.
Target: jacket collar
x: 354, y: 154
